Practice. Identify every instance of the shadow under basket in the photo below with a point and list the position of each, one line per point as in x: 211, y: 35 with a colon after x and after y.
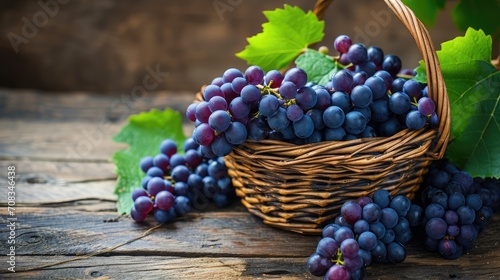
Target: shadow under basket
x: 301, y: 188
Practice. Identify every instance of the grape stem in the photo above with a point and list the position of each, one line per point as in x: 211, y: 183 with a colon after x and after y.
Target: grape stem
x: 340, y: 259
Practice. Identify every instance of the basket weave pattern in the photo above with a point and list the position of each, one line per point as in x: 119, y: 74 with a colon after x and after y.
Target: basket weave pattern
x: 300, y: 188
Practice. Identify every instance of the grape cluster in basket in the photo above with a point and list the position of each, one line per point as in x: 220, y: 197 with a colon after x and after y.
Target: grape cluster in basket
x: 364, y: 99
x: 457, y: 208
x: 174, y: 183
x: 367, y: 230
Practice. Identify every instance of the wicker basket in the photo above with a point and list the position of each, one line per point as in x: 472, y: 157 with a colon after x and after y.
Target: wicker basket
x: 300, y: 188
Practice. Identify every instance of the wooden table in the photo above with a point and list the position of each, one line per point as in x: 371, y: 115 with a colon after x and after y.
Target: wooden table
x: 61, y: 147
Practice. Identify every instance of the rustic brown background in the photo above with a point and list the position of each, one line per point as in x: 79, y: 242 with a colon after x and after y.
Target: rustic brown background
x: 106, y: 45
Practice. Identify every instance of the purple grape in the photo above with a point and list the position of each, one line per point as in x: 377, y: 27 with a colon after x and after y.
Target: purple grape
x: 342, y: 43
x: 203, y: 134
x: 306, y: 98
x: 415, y: 120
x: 168, y: 147
x: 143, y: 205
x: 349, y: 248
x: 288, y: 90
x: 274, y: 78
x: 357, y: 53
x: 138, y: 192
x: 155, y: 185
x: 337, y: 272
x: 203, y: 112
x: 351, y: 211
x: 426, y: 106
x: 250, y: 94
x: 327, y: 247
x: 146, y: 163
x: 254, y: 75
x: 219, y: 121
x: 230, y: 74
x: 164, y: 200
x: 236, y: 133
x: 297, y: 76
x: 343, y: 81
x: 238, y: 84
x: 392, y: 64
x: 193, y: 158
x: 317, y: 265
x: 190, y: 112
x: 211, y: 91
x: 137, y: 216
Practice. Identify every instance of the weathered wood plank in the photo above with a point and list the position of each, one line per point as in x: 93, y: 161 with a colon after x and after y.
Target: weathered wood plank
x: 92, y: 107
x: 159, y: 267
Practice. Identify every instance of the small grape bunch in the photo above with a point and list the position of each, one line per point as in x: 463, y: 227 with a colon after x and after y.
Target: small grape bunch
x: 457, y: 208
x: 379, y: 226
x: 174, y: 183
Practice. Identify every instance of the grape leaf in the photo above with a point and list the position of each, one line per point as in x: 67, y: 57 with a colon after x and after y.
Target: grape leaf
x: 318, y: 66
x: 481, y: 14
x: 426, y: 10
x: 285, y: 36
x: 143, y: 133
x: 473, y: 86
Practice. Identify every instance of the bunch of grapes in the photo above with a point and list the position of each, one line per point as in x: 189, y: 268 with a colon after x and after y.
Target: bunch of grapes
x: 174, y: 183
x: 375, y: 228
x: 457, y: 208
x: 364, y: 99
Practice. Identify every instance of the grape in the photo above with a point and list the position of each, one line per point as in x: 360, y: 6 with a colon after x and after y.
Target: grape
x: 342, y: 43
x: 250, y: 94
x: 294, y: 112
x: 391, y: 64
x: 155, y: 185
x: 323, y: 98
x: 380, y: 251
x: 357, y: 53
x: 367, y: 240
x: 238, y: 84
x: 274, y: 78
x: 144, y: 182
x: 155, y: 172
x: 137, y: 216
x: 202, y: 112
x: 401, y: 204
x: 342, y: 100
x: 474, y: 201
x: 434, y: 210
x: 455, y: 200
x: 180, y: 173
x: 337, y: 272
x: 435, y: 228
x: 190, y: 144
x: 466, y: 215
x: 304, y: 127
x: 257, y: 128
x: 238, y: 108
x: 377, y: 86
x: 376, y: 55
x: 165, y: 216
x: 297, y: 76
x: 146, y: 163
x: 351, y: 211
x: 349, y: 248
x: 195, y: 181
x: 333, y: 117
x: 182, y: 205
x: 359, y: 78
x: 190, y: 112
x: 389, y: 236
x: 254, y: 75
x: 389, y: 217
x: 306, y: 98
x: 372, y: 212
x: 399, y: 103
x: 230, y: 74
x: 327, y: 247
x: 382, y: 198
x: 143, y: 205
x: 221, y: 147
x: 355, y: 122
x: 279, y: 121
x: 380, y: 110
x: 229, y: 93
x: 353, y: 264
x: 426, y: 106
x: 193, y: 158
x: 378, y: 229
x: 177, y: 159
x: 269, y: 105
x: 211, y: 91
x: 219, y: 121
x: 236, y: 133
x: 217, y: 103
x: 288, y: 90
x: 164, y: 200
x: 342, y: 234
x: 361, y: 96
x: 396, y: 253
x: 368, y: 67
x: 318, y: 265
x: 217, y: 81
x: 390, y: 127
x: 138, y: 192
x: 344, y: 59
x: 361, y: 226
x: 334, y: 134
x: 386, y: 77
x: 434, y: 120
x: 447, y: 248
x: 206, y: 152
x: 415, y: 120
x: 342, y: 81
x: 412, y: 89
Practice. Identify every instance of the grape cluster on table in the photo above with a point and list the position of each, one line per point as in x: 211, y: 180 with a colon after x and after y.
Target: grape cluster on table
x: 457, y: 208
x: 366, y: 98
x: 175, y: 183
x: 371, y: 229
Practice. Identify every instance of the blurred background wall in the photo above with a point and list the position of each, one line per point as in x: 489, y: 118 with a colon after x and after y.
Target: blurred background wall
x: 110, y: 45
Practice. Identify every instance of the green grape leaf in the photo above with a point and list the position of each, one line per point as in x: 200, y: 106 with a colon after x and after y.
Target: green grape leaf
x: 318, y: 66
x: 143, y: 133
x: 426, y: 10
x: 283, y: 38
x: 473, y: 86
x: 481, y: 14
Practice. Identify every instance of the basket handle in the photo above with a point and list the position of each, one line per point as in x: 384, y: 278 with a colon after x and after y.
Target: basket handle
x: 435, y: 81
